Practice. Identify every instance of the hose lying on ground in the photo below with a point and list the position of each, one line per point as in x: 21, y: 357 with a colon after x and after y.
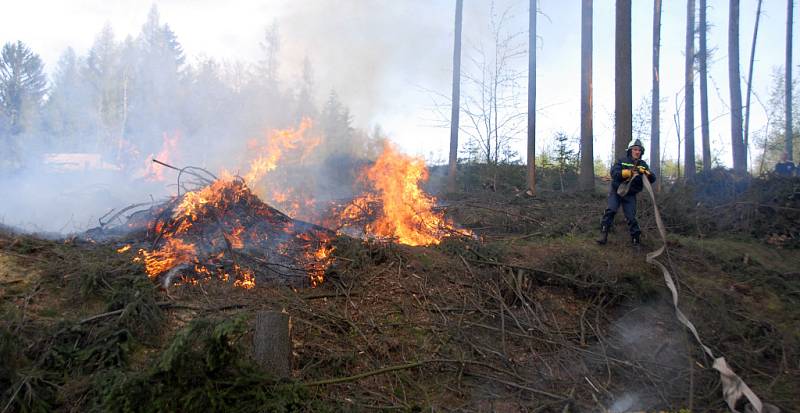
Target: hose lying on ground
x: 733, y: 387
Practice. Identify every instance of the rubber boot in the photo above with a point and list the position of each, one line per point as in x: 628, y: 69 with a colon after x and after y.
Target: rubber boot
x: 603, y: 235
x: 636, y: 241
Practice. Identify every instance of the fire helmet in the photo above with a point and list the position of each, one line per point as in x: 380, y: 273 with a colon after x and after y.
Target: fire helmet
x: 635, y: 142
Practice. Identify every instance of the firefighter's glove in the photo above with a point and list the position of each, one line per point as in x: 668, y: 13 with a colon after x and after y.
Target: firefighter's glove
x: 627, y: 173
x: 643, y: 170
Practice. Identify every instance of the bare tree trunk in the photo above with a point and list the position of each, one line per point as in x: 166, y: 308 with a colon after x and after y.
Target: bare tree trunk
x: 532, y: 99
x: 688, y: 134
x: 703, y: 56
x: 272, y: 346
x: 623, y: 106
x: 456, y: 100
x: 750, y: 82
x: 737, y: 144
x: 789, y: 134
x: 655, y: 113
x: 587, y: 149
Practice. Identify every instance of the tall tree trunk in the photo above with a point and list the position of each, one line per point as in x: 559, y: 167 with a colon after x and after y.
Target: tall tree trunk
x: 750, y: 82
x: 789, y: 134
x: 737, y: 144
x: 623, y: 106
x: 703, y: 55
x: 655, y: 112
x: 688, y: 123
x: 587, y: 149
x: 456, y: 99
x: 532, y: 99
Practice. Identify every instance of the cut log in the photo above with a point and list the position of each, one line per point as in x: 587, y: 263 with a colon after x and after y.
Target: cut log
x: 272, y: 344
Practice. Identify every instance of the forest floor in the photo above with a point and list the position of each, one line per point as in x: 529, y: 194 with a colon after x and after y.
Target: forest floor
x: 531, y: 315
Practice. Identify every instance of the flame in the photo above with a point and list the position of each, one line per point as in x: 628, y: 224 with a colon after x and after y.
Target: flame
x: 278, y: 143
x: 235, y: 237
x: 404, y: 211
x: 281, y: 148
x: 318, y: 262
x: 247, y: 280
x: 173, y: 253
x: 169, y: 146
x: 124, y: 249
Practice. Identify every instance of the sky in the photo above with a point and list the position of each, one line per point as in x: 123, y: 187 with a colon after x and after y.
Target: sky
x: 390, y: 61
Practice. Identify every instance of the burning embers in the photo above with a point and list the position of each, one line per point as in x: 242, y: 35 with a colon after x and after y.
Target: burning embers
x: 223, y: 230
x: 396, y: 207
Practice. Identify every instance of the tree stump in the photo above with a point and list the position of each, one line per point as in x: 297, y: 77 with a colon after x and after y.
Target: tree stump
x: 271, y: 343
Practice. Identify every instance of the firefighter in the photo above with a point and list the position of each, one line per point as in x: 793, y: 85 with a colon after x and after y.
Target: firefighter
x: 626, y: 182
x: 785, y: 167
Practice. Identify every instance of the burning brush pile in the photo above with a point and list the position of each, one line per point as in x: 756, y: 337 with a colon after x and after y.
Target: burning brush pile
x: 223, y: 230
x: 219, y: 228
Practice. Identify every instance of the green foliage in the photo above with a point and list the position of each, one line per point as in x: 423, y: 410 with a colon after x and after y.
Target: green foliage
x: 503, y: 177
x: 469, y: 248
x: 359, y: 254
x: 203, y: 369
x: 82, y: 349
x: 9, y: 356
x: 33, y: 392
x: 137, y: 300
x: 587, y: 271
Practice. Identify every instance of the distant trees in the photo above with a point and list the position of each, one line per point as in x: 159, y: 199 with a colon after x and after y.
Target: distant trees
x: 490, y: 97
x: 271, y: 46
x: 305, y: 107
x: 108, y: 70
x: 122, y: 98
x: 587, y: 153
x: 67, y: 113
x: 774, y: 142
x: 623, y: 105
x: 157, y: 80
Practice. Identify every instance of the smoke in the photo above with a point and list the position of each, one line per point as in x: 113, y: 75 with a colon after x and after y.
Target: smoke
x: 113, y: 107
x: 53, y: 202
x: 368, y: 54
x: 655, y: 347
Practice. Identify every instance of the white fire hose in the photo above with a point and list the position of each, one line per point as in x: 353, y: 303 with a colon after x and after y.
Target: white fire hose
x: 733, y: 387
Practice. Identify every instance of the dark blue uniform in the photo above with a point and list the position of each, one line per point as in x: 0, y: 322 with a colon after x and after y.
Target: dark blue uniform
x: 628, y: 202
x: 785, y: 169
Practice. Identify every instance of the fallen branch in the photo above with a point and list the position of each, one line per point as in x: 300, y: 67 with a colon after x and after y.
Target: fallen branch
x: 367, y: 374
x: 116, y: 312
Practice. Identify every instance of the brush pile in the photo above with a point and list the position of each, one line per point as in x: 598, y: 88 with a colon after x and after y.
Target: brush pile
x: 223, y: 230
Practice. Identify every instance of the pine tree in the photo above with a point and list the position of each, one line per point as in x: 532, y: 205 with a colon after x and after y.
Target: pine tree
x: 22, y: 85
